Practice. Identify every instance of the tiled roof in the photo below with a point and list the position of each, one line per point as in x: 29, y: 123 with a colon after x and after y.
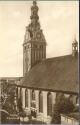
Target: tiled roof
x: 59, y: 73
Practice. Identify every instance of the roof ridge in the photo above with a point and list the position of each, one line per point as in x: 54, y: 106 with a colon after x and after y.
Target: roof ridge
x: 59, y: 56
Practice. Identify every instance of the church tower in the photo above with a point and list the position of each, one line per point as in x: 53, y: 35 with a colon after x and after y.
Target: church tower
x: 34, y: 46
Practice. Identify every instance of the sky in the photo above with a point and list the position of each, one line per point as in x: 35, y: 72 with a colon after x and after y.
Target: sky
x: 59, y: 21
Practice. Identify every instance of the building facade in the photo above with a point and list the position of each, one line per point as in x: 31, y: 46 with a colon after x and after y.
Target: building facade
x: 41, y: 102
x: 44, y: 79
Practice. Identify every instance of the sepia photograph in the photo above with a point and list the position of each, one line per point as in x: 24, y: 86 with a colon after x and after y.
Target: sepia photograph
x: 39, y: 62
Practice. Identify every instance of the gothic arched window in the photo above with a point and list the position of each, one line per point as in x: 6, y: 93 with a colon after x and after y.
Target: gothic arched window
x: 33, y: 103
x: 26, y: 98
x: 71, y: 98
x: 17, y: 92
x: 49, y: 104
x: 40, y: 102
x: 21, y: 94
x: 33, y: 95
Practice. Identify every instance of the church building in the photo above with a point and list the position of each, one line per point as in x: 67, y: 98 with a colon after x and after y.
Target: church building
x: 45, y: 78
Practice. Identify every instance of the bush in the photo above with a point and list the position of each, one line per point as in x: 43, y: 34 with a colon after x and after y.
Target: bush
x: 65, y: 106
x: 8, y: 98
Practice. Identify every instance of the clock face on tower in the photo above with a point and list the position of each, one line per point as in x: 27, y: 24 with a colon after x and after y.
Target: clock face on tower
x: 38, y: 35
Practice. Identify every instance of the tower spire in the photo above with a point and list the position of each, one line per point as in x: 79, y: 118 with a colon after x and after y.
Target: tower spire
x: 34, y: 46
x: 34, y: 11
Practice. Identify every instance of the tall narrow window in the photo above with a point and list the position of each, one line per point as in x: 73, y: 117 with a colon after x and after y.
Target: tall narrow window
x: 33, y: 103
x: 21, y: 94
x: 35, y: 56
x: 41, y: 102
x: 39, y: 55
x: 77, y: 100
x: 33, y: 95
x: 49, y: 104
x: 17, y: 92
x: 26, y: 98
x: 42, y: 53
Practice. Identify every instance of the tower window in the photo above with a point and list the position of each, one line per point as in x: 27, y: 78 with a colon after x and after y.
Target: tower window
x: 25, y: 48
x: 35, y: 46
x: 28, y: 46
x: 41, y: 46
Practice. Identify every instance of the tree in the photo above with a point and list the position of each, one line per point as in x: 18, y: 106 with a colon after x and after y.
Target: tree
x: 19, y: 104
x: 62, y: 105
x: 8, y: 97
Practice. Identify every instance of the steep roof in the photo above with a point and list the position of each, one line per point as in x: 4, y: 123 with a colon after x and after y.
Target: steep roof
x: 57, y: 74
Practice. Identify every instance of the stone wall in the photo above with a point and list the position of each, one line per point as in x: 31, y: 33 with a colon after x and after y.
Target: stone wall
x: 45, y: 93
